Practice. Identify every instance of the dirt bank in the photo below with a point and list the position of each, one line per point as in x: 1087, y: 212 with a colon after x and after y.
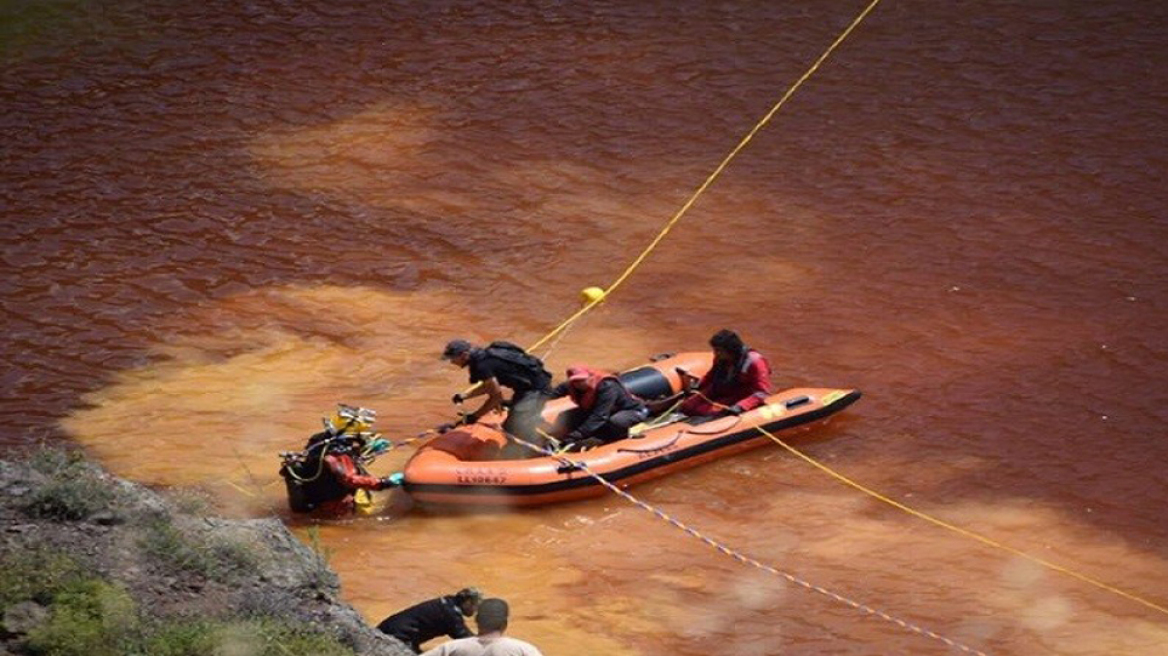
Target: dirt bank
x: 93, y: 564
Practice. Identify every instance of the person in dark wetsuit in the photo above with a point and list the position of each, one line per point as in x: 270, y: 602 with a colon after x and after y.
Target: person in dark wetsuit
x: 430, y: 619
x: 605, y: 409
x: 328, y: 479
x: 499, y: 365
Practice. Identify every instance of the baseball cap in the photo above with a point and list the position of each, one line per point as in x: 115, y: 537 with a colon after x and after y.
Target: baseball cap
x: 455, y: 348
x: 469, y: 593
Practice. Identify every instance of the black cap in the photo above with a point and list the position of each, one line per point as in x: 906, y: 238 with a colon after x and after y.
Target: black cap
x: 467, y: 594
x: 455, y: 348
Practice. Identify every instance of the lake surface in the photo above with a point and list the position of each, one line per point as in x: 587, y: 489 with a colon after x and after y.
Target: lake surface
x: 221, y: 219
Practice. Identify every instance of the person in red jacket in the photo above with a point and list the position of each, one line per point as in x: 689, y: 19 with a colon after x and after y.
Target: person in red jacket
x: 327, y: 480
x: 351, y: 477
x: 605, y: 409
x: 739, y: 380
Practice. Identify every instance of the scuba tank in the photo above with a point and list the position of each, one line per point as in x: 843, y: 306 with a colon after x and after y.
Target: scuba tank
x: 346, y: 431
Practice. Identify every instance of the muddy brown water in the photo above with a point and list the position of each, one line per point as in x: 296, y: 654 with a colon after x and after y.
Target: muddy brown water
x: 220, y: 219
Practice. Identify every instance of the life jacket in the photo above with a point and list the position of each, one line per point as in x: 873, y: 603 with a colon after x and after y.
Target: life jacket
x: 586, y: 398
x: 723, y: 376
x: 528, y: 368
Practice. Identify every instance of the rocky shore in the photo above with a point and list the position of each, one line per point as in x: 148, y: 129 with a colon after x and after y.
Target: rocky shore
x: 95, y: 565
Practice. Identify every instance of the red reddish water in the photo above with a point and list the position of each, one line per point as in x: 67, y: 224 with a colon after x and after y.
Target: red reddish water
x: 221, y: 219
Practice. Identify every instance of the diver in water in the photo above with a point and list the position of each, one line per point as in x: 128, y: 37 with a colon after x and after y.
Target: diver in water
x: 327, y: 475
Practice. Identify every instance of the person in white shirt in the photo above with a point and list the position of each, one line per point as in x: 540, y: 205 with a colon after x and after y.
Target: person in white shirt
x: 492, y: 622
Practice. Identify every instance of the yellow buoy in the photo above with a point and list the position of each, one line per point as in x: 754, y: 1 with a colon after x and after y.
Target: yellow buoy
x: 591, y: 294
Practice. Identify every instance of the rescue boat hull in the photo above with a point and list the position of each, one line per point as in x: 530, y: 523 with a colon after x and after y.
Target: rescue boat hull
x: 457, y: 469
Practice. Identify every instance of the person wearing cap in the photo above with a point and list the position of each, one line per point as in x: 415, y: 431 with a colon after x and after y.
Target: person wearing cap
x: 605, y: 409
x: 492, y: 621
x: 499, y: 365
x: 437, y: 617
x: 738, y: 381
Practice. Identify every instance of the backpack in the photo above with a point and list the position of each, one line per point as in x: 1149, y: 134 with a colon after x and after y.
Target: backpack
x: 531, y: 367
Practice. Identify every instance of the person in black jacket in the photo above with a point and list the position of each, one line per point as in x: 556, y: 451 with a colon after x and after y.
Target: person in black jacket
x: 430, y: 619
x: 498, y: 365
x: 605, y: 409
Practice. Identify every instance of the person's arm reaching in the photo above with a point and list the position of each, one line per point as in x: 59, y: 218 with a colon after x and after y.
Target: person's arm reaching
x: 346, y: 472
x: 559, y: 391
x: 494, y: 392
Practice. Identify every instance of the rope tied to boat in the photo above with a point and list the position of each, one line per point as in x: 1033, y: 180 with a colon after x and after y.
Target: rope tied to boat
x: 597, y: 298
x: 569, y: 464
x: 946, y: 525
x: 961, y: 531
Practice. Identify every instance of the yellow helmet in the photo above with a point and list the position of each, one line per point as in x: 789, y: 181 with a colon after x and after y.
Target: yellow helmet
x: 348, y: 420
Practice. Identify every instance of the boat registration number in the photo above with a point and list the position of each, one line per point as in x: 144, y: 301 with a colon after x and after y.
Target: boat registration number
x: 481, y: 475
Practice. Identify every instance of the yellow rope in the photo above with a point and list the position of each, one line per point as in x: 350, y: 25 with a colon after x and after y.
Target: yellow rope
x: 711, y: 178
x: 738, y: 555
x: 678, y: 216
x: 957, y: 529
x: 245, y: 491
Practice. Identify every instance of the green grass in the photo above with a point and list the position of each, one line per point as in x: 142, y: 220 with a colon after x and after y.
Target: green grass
x: 319, y: 575
x: 74, y: 490
x: 94, y: 618
x: 89, y: 616
x: 50, y: 460
x: 255, y: 637
x: 189, y: 501
x: 71, y: 499
x: 36, y: 575
x: 322, y: 551
x: 216, y: 559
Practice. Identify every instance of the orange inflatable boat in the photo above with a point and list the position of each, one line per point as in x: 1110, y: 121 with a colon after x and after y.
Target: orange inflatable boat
x: 463, y: 468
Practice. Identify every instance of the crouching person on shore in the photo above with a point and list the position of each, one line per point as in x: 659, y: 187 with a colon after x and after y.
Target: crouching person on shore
x: 428, y: 620
x: 492, y: 622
